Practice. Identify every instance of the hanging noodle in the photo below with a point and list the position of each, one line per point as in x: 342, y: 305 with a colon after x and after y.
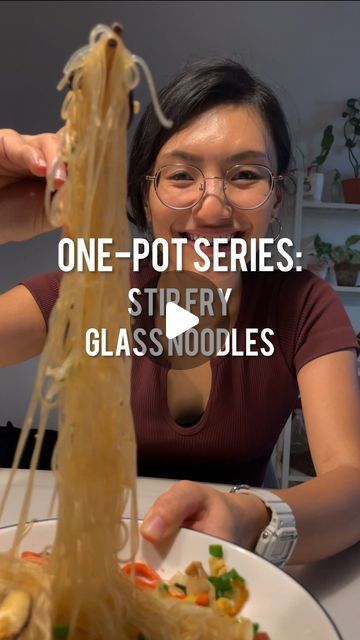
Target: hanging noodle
x: 95, y: 458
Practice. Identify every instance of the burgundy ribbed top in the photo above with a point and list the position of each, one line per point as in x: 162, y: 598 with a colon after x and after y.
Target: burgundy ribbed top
x: 251, y: 396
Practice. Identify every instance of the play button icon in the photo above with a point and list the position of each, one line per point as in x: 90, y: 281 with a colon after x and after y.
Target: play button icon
x: 181, y: 319
x: 178, y: 320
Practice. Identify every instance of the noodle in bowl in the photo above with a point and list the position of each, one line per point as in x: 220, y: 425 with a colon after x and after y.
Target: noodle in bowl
x: 282, y: 607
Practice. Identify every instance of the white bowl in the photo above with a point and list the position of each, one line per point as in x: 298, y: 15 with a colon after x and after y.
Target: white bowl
x: 277, y: 602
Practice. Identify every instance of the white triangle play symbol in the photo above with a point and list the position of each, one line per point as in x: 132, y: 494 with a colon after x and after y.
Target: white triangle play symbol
x: 178, y: 320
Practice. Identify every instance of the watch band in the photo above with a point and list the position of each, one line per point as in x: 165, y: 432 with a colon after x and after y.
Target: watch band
x: 277, y: 541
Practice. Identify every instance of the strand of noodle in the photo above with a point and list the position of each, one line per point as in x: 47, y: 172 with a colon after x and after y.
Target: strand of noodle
x: 100, y: 29
x: 75, y: 62
x: 110, y: 204
x: 66, y: 105
x: 93, y: 183
x: 89, y: 172
x: 51, y: 509
x: 100, y: 160
x: 28, y: 423
x: 19, y: 450
x: 33, y: 465
x: 149, y: 79
x: 96, y: 98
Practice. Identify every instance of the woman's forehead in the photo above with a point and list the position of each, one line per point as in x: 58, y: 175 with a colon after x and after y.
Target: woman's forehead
x: 226, y: 131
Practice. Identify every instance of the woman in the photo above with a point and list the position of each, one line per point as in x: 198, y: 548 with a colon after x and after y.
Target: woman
x: 235, y: 407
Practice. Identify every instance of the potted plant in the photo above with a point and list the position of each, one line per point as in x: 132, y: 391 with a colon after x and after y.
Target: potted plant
x: 346, y: 262
x: 319, y: 259
x: 314, y: 182
x: 344, y: 259
x: 351, y: 186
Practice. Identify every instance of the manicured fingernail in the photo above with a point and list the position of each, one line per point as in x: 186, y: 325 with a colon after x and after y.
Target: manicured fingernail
x: 60, y: 174
x: 40, y: 161
x: 154, y: 527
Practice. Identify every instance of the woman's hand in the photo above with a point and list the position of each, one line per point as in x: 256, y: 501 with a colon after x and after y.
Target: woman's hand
x: 25, y: 162
x: 239, y: 518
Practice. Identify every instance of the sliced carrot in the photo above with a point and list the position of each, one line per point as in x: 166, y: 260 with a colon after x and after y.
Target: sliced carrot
x: 145, y: 584
x: 141, y: 569
x: 202, y: 599
x: 242, y: 595
x: 176, y: 592
x: 145, y: 576
x: 35, y: 558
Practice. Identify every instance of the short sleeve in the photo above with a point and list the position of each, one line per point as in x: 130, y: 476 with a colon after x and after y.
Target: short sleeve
x: 323, y: 325
x: 45, y: 290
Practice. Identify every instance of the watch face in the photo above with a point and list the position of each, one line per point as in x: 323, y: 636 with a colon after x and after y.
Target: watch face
x: 277, y: 541
x: 277, y: 546
x: 284, y: 546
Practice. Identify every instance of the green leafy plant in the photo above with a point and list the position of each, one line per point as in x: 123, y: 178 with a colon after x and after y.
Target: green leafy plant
x: 344, y: 259
x: 345, y: 253
x: 339, y: 253
x: 322, y: 249
x: 352, y: 132
x: 325, y: 146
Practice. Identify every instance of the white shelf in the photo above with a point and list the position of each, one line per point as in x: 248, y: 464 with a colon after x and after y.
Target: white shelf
x: 346, y: 289
x: 337, y: 206
x: 314, y: 211
x: 298, y: 476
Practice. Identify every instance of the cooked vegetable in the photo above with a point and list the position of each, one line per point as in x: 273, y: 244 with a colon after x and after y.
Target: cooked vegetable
x: 202, y: 599
x: 217, y: 566
x: 163, y: 589
x: 145, y: 576
x: 216, y: 550
x: 196, y: 569
x: 224, y: 591
x: 223, y: 585
x: 61, y: 631
x: 35, y: 558
x: 180, y: 586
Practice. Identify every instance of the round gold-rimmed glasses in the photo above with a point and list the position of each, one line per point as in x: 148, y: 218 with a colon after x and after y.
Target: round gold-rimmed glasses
x: 182, y: 186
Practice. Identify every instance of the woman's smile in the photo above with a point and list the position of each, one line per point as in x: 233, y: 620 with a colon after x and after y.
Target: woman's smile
x: 215, y: 140
x: 211, y: 235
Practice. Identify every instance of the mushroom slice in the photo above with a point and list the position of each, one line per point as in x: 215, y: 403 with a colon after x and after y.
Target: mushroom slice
x: 196, y: 570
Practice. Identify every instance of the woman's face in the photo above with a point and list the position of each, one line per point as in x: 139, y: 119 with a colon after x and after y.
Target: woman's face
x: 211, y: 142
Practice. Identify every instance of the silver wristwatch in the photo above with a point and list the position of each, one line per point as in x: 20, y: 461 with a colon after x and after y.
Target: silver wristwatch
x: 276, y: 543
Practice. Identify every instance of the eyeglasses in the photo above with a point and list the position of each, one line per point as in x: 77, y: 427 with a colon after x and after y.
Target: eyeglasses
x: 182, y: 186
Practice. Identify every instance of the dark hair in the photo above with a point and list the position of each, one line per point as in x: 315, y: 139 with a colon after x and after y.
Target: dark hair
x: 199, y: 87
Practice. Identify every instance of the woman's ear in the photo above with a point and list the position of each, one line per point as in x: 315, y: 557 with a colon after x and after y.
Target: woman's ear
x: 147, y: 211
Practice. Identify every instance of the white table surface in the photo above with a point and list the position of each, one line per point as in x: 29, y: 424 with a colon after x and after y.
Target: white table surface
x: 335, y: 582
